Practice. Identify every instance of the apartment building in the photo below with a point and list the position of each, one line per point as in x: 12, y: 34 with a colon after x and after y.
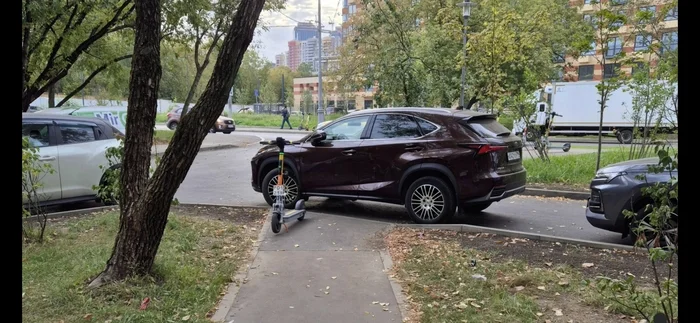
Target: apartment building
x: 280, y: 60
x: 361, y: 99
x: 350, y: 8
x: 626, y: 39
x: 294, y: 54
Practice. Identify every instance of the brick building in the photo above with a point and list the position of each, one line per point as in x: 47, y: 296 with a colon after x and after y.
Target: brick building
x: 359, y: 100
x: 587, y: 67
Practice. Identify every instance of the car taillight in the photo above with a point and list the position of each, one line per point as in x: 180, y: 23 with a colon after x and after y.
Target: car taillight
x: 485, y: 149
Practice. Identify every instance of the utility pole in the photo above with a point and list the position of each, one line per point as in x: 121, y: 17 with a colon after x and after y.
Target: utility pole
x: 230, y: 99
x: 466, y: 12
x: 320, y: 67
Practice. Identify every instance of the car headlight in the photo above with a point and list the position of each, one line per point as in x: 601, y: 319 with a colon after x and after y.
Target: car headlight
x: 608, y: 176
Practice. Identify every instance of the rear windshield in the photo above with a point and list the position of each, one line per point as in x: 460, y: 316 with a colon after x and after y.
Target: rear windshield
x: 488, y: 128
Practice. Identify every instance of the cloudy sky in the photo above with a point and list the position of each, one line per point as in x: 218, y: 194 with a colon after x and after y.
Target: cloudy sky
x: 274, y: 41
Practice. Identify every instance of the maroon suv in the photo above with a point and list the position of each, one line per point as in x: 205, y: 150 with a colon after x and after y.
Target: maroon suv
x: 431, y: 160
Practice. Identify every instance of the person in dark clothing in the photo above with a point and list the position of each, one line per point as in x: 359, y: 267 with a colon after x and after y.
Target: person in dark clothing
x: 285, y: 118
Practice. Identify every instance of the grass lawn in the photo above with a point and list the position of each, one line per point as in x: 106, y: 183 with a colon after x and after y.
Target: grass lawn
x: 161, y: 137
x: 575, y: 170
x: 462, y: 277
x: 196, y: 260
x: 274, y: 121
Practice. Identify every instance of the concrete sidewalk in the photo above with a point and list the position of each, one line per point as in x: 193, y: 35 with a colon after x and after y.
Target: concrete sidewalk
x: 324, y: 269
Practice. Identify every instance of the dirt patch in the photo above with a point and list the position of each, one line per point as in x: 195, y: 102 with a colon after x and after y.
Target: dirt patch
x: 243, y: 216
x: 560, y: 187
x: 437, y: 267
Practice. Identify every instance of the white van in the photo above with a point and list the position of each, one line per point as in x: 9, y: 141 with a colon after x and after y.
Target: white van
x: 116, y: 116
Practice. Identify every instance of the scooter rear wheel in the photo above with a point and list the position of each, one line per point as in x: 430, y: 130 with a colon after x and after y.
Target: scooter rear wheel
x: 275, y: 224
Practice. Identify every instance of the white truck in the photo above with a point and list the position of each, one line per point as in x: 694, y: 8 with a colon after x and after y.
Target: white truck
x: 578, y: 112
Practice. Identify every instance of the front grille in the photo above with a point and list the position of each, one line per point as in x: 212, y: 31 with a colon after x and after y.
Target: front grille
x: 228, y: 121
x: 595, y: 202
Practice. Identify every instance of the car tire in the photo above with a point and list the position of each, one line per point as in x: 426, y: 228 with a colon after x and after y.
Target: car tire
x: 227, y: 133
x: 172, y: 125
x: 625, y: 136
x: 475, y: 208
x: 649, y: 236
x: 290, y: 179
x: 424, y: 198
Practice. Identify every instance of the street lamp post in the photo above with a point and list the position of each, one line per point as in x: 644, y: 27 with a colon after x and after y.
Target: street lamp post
x: 466, y: 12
x: 320, y: 111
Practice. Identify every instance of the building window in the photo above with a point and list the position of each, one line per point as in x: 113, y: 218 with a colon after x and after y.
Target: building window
x: 614, y: 47
x: 642, y: 42
x: 670, y: 41
x: 618, y: 2
x: 638, y: 67
x: 345, y: 3
x: 620, y: 19
x: 585, y: 72
x: 672, y: 14
x: 352, y: 9
x: 586, y: 1
x: 611, y: 70
x: 651, y: 9
x: 345, y: 17
x: 590, y: 51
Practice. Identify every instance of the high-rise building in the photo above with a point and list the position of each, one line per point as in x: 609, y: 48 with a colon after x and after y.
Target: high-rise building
x: 304, y: 31
x: 626, y: 39
x: 350, y: 8
x: 280, y: 60
x: 294, y: 54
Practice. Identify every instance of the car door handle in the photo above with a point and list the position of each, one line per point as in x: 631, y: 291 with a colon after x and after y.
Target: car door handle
x: 47, y: 158
x: 348, y: 152
x: 412, y: 147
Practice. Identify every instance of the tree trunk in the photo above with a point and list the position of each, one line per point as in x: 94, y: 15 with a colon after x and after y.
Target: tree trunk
x: 52, y: 96
x: 141, y: 223
x: 197, y: 77
x: 145, y: 203
x: 471, y: 102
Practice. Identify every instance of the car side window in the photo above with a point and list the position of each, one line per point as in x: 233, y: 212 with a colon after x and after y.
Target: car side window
x: 37, y: 134
x: 348, y: 129
x: 426, y: 126
x: 394, y: 126
x: 73, y: 134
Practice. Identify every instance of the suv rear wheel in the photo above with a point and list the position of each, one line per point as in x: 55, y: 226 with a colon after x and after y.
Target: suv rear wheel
x: 172, y: 125
x: 429, y: 200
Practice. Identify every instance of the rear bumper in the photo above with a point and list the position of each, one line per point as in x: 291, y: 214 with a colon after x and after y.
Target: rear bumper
x: 503, y: 186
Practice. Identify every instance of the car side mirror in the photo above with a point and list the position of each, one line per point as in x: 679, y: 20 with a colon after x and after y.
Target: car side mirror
x: 317, y: 137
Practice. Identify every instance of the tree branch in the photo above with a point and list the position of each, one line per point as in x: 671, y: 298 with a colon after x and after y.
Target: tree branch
x: 89, y: 78
x: 197, y: 41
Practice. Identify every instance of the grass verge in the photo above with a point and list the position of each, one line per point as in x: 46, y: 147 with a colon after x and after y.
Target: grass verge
x: 162, y: 137
x: 459, y: 277
x: 575, y: 170
x: 196, y: 260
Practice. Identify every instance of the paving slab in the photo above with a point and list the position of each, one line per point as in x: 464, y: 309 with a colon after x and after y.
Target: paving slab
x: 301, y: 276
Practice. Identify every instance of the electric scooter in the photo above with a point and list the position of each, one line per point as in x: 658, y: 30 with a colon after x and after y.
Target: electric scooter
x: 279, y: 216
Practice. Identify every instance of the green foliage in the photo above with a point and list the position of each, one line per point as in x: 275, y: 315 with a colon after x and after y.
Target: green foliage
x: 303, y: 70
x: 656, y: 228
x: 274, y: 121
x: 109, y: 190
x: 307, y: 102
x: 33, y: 170
x: 272, y: 90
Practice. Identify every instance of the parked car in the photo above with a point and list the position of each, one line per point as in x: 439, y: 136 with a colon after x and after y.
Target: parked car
x: 75, y: 148
x: 430, y: 160
x: 114, y: 115
x: 616, y: 188
x: 222, y: 124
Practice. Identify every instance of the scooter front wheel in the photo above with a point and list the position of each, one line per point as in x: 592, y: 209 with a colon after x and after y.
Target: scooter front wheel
x: 275, y: 224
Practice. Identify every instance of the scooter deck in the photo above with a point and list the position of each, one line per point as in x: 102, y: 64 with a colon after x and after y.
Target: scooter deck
x: 293, y: 213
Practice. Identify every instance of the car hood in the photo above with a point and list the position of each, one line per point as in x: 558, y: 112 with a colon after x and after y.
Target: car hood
x: 224, y: 119
x: 636, y: 165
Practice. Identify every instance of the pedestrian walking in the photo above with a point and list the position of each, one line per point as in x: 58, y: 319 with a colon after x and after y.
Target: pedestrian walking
x: 285, y: 118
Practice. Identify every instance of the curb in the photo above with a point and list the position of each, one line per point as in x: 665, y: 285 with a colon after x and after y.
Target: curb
x: 81, y: 212
x: 556, y: 193
x: 205, y: 148
x: 518, y: 234
x: 275, y: 130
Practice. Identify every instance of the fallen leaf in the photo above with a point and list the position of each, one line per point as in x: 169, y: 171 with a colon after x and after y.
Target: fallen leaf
x: 461, y: 305
x: 563, y: 283
x: 326, y: 293
x: 540, y: 287
x: 475, y: 305
x: 549, y: 264
x: 547, y: 321
x: 334, y: 277
x: 375, y: 303
x: 587, y: 265
x: 539, y: 314
x: 87, y: 317
x: 519, y: 288
x: 144, y: 303
x: 275, y: 273
x: 296, y: 246
x: 328, y: 287
x: 186, y: 318
x: 557, y: 312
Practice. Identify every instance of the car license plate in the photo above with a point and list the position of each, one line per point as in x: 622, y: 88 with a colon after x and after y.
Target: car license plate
x: 230, y: 126
x: 513, y: 155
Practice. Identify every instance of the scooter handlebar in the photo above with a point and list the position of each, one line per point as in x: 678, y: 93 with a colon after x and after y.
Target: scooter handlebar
x: 279, y: 141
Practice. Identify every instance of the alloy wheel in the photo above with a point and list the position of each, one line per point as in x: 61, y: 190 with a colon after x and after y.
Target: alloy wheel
x: 427, y: 202
x: 291, y: 189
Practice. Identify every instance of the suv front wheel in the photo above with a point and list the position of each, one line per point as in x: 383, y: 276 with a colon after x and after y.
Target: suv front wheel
x: 429, y: 200
x: 291, y: 190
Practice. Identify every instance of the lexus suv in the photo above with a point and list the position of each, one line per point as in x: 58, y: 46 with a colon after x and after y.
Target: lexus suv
x: 431, y: 160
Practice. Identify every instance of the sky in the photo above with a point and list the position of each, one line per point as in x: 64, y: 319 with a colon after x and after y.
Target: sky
x: 274, y: 41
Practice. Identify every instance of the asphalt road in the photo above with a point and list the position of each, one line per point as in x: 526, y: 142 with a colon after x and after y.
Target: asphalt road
x: 223, y: 177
